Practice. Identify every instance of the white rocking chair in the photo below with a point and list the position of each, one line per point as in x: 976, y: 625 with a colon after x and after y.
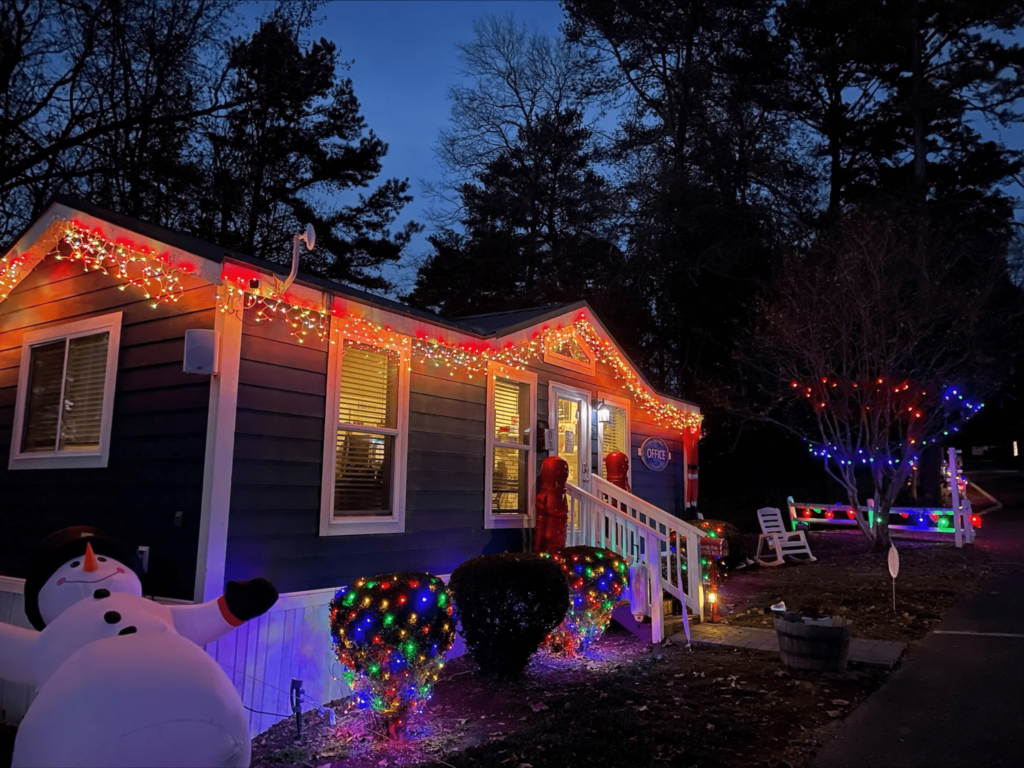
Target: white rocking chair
x: 780, y: 542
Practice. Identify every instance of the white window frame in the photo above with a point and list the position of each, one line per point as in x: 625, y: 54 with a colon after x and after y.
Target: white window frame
x: 57, y: 459
x: 618, y: 402
x: 353, y: 525
x: 572, y: 364
x: 494, y: 519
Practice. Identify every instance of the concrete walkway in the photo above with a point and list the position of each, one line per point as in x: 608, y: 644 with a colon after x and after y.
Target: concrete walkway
x: 880, y: 653
x: 959, y: 699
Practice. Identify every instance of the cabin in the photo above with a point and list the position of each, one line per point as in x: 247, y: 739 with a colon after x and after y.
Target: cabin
x: 232, y: 422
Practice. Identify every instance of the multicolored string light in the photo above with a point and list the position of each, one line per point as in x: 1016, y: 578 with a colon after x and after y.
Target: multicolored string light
x: 391, y: 634
x: 905, y: 417
x: 10, y: 273
x: 161, y: 282
x: 598, y: 579
x: 131, y: 265
x: 473, y: 359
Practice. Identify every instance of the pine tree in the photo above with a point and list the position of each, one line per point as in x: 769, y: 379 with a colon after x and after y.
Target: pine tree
x: 539, y: 227
x: 284, y: 156
x: 708, y: 175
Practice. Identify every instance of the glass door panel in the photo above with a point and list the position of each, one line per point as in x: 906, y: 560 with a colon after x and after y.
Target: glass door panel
x: 571, y: 419
x: 569, y: 436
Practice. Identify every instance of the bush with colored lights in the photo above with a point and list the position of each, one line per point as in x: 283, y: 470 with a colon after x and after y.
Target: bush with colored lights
x: 506, y: 605
x: 715, y: 529
x: 391, y: 634
x: 598, y: 579
x: 737, y: 546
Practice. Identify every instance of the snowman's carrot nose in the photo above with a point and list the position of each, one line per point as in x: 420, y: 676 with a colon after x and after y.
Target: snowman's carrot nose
x: 91, y: 563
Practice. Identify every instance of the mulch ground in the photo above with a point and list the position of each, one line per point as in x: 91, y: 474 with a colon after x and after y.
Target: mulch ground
x: 847, y: 581
x: 627, y: 704
x: 630, y: 703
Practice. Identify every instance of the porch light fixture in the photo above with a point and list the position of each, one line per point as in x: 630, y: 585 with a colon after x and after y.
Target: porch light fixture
x: 604, y: 412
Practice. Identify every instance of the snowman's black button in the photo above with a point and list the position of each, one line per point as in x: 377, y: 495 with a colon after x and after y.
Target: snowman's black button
x: 101, y: 593
x: 111, y: 617
x: 128, y: 631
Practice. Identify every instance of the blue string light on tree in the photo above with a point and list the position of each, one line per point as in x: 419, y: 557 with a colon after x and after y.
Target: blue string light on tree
x: 598, y: 579
x: 391, y: 635
x: 906, y: 418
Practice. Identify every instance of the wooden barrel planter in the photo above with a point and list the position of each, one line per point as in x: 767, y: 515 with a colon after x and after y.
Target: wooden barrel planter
x: 813, y: 646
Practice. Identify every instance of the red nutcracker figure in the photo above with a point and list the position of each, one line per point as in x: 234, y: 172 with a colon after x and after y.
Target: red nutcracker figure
x: 552, y: 510
x: 616, y: 469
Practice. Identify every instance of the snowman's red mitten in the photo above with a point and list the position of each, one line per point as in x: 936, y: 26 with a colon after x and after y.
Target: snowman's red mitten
x: 244, y: 600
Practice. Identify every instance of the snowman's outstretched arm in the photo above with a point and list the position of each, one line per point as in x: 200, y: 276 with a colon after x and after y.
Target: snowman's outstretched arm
x: 210, y: 621
x: 17, y: 654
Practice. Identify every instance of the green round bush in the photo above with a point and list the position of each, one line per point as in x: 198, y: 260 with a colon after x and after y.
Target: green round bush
x: 506, y: 605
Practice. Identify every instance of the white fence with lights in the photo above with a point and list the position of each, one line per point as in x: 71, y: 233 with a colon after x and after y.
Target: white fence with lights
x: 933, y: 519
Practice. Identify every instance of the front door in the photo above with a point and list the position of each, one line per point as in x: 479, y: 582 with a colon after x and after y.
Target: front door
x: 570, y: 416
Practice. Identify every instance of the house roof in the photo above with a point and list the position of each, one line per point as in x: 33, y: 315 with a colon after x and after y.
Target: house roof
x: 494, y: 326
x: 509, y: 320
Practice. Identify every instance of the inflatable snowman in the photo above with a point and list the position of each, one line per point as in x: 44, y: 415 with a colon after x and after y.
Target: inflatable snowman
x: 122, y: 680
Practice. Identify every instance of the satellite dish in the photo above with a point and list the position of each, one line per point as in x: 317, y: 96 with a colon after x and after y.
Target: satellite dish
x: 310, y: 237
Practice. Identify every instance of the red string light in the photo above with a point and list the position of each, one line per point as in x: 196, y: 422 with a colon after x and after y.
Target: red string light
x: 161, y: 282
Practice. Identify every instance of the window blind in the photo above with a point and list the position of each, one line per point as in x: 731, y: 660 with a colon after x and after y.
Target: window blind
x: 362, y: 474
x: 511, y: 411
x: 84, y: 377
x: 42, y: 410
x: 508, y: 489
x: 369, y: 385
x: 614, y: 436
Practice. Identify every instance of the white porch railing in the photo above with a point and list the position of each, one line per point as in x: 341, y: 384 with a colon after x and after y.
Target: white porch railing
x: 642, y: 533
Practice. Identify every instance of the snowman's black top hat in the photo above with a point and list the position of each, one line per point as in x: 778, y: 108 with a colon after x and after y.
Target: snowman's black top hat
x: 65, y: 545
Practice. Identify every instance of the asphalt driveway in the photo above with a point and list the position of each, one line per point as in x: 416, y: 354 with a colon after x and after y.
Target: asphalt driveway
x: 959, y: 700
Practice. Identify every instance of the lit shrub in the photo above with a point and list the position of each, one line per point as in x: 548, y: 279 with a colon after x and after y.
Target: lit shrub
x: 598, y: 580
x: 391, y: 634
x: 506, y: 605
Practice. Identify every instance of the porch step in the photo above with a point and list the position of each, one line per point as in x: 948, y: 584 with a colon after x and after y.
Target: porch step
x: 642, y: 629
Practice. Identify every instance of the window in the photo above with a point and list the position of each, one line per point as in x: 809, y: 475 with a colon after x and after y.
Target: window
x: 571, y: 352
x: 613, y: 430
x: 365, y: 440
x: 65, y: 396
x: 511, y: 463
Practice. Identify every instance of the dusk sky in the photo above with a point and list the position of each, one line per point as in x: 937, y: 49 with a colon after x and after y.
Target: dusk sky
x: 404, y: 59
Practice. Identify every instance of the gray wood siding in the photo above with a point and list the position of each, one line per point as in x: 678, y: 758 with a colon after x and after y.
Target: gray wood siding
x: 664, y: 489
x: 158, y: 436
x: 275, y: 497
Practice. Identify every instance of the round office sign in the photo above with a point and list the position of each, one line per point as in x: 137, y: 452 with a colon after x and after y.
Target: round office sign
x: 654, y: 454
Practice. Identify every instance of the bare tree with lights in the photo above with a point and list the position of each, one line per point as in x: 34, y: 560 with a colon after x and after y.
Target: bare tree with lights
x: 870, y: 345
